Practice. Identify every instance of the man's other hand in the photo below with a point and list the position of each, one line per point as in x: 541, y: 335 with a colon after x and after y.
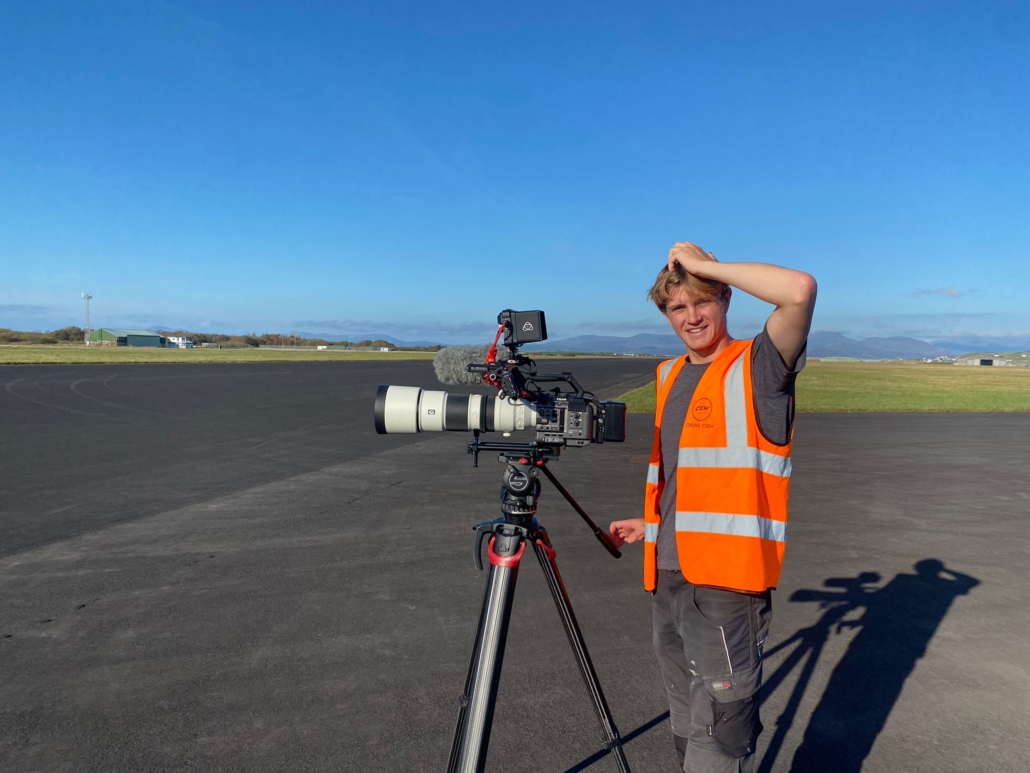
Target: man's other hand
x: 631, y: 530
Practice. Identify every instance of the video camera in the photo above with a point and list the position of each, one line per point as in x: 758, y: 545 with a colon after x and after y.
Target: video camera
x: 525, y: 399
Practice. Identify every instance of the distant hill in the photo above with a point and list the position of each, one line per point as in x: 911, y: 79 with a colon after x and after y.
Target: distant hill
x: 642, y: 343
x: 366, y: 337
x: 827, y: 344
x: 996, y: 344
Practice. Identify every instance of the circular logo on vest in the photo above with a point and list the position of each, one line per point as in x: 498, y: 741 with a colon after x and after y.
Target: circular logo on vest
x: 702, y: 409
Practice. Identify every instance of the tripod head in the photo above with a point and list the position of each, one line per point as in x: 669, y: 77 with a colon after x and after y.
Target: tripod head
x: 520, y: 489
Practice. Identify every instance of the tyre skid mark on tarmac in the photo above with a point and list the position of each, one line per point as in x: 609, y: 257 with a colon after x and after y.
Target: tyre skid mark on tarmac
x: 9, y: 386
x: 248, y: 374
x: 107, y: 385
x: 74, y: 386
x: 289, y: 433
x: 358, y: 479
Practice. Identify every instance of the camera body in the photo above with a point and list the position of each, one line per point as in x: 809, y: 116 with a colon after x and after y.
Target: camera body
x: 575, y: 421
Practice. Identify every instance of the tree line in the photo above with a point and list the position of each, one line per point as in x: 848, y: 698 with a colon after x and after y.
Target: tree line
x: 66, y: 335
x: 76, y: 335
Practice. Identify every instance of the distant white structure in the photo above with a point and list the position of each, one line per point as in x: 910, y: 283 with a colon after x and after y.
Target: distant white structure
x: 358, y: 348
x: 179, y: 342
x: 997, y: 361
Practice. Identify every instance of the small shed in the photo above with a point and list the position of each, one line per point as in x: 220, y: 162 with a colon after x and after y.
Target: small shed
x: 120, y: 337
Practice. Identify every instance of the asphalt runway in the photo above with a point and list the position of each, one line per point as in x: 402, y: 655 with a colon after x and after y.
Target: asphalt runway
x: 88, y: 446
x: 222, y: 568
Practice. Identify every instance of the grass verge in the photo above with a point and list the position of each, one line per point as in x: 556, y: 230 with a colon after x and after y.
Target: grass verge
x: 78, y: 355
x: 855, y: 387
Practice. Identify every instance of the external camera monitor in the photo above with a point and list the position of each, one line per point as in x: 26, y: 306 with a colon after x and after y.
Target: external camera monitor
x: 522, y: 327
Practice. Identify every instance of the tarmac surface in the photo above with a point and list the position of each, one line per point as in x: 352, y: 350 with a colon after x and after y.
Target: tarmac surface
x: 224, y: 568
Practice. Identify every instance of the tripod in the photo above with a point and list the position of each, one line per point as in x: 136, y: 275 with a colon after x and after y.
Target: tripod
x: 508, y: 537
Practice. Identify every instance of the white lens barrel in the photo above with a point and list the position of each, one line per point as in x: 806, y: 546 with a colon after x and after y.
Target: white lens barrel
x: 431, y: 411
x: 475, y: 414
x: 513, y: 415
x: 396, y: 409
x: 407, y: 410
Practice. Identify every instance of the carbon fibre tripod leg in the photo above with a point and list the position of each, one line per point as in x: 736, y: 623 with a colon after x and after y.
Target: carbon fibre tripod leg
x: 472, y: 733
x: 546, y: 555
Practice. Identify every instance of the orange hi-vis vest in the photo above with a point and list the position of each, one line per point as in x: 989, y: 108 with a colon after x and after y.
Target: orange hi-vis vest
x: 732, y: 484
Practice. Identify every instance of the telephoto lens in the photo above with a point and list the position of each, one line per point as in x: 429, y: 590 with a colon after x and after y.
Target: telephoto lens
x: 404, y: 409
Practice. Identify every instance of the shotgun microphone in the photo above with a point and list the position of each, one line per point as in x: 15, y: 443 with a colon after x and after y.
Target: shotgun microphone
x: 450, y: 363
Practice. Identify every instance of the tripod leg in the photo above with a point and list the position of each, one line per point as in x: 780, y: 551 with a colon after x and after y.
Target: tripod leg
x: 472, y: 734
x: 545, y: 554
x: 459, y: 728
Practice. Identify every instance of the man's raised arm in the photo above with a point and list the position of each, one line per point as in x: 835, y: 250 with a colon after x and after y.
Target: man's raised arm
x: 792, y: 292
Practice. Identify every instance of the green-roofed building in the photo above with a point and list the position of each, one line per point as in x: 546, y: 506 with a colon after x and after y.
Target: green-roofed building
x: 117, y: 337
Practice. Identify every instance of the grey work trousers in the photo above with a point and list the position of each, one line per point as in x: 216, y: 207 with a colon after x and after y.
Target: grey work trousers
x: 709, y: 647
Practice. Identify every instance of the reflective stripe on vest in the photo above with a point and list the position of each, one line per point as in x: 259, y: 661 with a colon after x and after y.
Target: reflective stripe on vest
x: 736, y: 410
x: 650, y: 532
x: 663, y: 372
x: 653, y: 471
x: 734, y: 525
x: 723, y: 458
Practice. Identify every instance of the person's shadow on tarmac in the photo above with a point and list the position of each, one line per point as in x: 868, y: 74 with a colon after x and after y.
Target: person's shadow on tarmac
x: 900, y: 619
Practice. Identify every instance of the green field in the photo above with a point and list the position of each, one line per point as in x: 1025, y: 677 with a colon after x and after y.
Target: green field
x: 852, y: 387
x: 47, y: 355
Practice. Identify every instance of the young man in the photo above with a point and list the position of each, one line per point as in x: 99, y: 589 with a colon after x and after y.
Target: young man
x: 715, y: 511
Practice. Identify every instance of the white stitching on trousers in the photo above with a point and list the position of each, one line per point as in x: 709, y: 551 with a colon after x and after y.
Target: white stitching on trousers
x: 727, y: 648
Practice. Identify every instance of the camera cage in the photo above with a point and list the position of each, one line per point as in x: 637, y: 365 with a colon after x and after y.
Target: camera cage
x: 515, y: 375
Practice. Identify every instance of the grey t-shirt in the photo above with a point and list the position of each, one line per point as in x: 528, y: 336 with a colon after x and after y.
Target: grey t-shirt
x: 773, y: 385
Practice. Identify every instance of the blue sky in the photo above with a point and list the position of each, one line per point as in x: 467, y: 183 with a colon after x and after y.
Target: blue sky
x: 411, y: 169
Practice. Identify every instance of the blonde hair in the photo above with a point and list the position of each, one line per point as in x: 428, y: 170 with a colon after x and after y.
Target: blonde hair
x: 668, y: 281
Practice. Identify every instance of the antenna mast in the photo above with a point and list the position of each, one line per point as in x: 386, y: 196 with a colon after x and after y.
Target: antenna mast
x: 87, y: 297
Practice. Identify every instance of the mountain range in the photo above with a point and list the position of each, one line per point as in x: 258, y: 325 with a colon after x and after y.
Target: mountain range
x: 370, y: 337
x: 820, y: 344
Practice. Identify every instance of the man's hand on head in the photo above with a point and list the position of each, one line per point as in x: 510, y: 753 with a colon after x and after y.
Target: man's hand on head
x: 691, y: 257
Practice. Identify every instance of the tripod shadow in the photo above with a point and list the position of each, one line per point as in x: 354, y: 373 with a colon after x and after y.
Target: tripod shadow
x: 899, y: 620
x: 584, y: 764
